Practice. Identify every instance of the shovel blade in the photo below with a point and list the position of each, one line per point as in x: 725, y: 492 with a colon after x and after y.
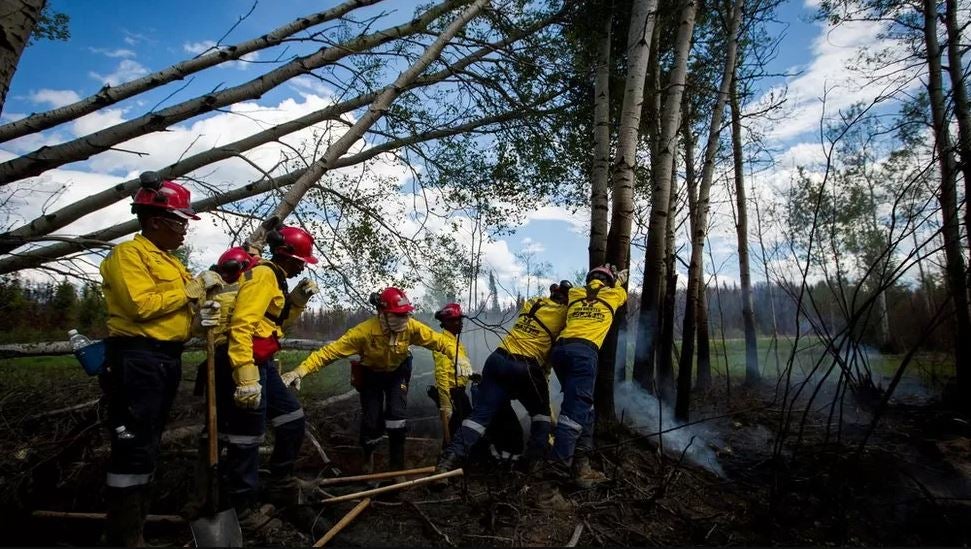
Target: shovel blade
x: 219, y: 530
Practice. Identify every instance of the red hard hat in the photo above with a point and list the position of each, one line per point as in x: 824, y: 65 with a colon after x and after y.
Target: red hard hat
x: 393, y: 300
x: 295, y: 242
x: 603, y: 274
x: 451, y: 311
x: 165, y: 195
x: 234, y: 262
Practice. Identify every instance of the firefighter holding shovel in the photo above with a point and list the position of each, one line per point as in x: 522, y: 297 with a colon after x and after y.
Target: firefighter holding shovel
x: 149, y: 296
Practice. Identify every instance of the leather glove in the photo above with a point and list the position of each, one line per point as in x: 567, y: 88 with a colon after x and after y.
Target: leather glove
x: 622, y: 277
x: 198, y: 286
x: 292, y: 379
x: 475, y: 378
x: 209, y: 314
x: 248, y: 389
x: 465, y: 367
x: 305, y: 289
x: 446, y: 411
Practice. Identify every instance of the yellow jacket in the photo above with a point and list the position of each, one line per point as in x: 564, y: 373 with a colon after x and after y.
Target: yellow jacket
x: 144, y: 290
x: 590, y: 311
x: 259, y: 294
x: 445, y: 370
x: 528, y: 337
x: 369, y: 341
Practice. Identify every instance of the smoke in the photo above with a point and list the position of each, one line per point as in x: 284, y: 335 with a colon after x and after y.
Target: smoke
x: 641, y: 411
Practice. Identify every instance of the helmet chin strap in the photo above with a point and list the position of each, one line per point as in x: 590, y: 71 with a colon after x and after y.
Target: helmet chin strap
x: 392, y: 326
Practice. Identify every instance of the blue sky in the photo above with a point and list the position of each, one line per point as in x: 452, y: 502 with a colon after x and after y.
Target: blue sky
x: 115, y: 41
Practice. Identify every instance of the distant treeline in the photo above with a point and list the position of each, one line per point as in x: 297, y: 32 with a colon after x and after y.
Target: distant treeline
x: 46, y: 311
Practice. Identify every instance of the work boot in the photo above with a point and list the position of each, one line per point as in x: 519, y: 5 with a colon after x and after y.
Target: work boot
x: 257, y: 522
x: 586, y: 477
x: 549, y: 498
x: 447, y: 462
x: 126, y: 516
x: 283, y: 492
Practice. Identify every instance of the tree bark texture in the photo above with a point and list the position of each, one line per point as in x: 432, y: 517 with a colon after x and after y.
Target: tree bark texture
x: 955, y: 67
x: 654, y: 256
x: 17, y: 21
x: 665, y: 345
x: 599, y: 180
x: 955, y: 268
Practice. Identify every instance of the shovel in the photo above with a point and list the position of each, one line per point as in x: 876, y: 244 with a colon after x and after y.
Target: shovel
x: 214, y: 528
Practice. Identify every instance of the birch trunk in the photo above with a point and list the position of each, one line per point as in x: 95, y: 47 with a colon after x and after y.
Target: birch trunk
x: 51, y: 221
x: 17, y: 21
x: 84, y: 147
x: 109, y: 95
x: 955, y: 67
x: 601, y: 146
x: 665, y: 345
x: 752, y: 373
x: 704, y: 342
x: 643, y: 16
x: 654, y: 256
x: 955, y: 268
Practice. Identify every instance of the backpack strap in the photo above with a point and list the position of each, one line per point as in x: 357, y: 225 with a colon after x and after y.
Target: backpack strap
x: 532, y: 314
x: 281, y: 281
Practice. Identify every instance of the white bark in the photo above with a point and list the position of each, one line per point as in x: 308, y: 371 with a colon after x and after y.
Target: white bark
x: 17, y: 21
x: 109, y: 95
x: 601, y: 148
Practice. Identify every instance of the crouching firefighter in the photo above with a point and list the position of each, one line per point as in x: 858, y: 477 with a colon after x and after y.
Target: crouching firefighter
x: 383, y: 373
x: 516, y: 370
x: 249, y: 390
x: 449, y: 391
x: 149, y: 296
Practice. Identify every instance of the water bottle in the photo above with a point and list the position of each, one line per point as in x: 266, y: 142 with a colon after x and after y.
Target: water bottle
x: 77, y: 340
x: 89, y: 353
x: 123, y: 433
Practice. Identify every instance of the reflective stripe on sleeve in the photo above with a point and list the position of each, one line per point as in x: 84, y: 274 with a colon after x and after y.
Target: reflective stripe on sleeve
x: 570, y: 423
x: 241, y: 439
x: 540, y: 418
x: 124, y: 480
x: 474, y: 426
x: 395, y: 423
x: 287, y: 418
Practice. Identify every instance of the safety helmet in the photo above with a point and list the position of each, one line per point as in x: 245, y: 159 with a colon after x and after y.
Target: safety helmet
x: 451, y: 311
x: 603, y: 274
x: 292, y: 242
x: 234, y: 262
x: 167, y: 196
x: 393, y: 300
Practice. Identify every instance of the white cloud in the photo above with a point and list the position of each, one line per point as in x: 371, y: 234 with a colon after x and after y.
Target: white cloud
x: 54, y: 98
x: 119, y: 52
x: 829, y: 75
x: 196, y: 48
x: 127, y: 70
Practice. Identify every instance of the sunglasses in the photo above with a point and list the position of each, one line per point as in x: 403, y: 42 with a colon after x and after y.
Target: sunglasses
x: 178, y: 225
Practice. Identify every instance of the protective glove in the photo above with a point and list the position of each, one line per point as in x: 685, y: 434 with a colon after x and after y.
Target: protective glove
x: 465, y: 367
x: 475, y: 378
x: 198, y: 286
x: 305, y: 289
x: 248, y: 389
x: 621, y: 277
x: 209, y: 314
x: 446, y: 411
x: 292, y: 379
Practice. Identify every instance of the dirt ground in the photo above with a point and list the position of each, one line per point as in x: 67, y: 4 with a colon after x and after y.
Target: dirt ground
x: 911, y: 485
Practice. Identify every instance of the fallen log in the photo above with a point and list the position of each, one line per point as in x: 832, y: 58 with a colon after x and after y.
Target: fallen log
x: 157, y: 519
x: 376, y: 476
x: 395, y: 487
x: 351, y: 515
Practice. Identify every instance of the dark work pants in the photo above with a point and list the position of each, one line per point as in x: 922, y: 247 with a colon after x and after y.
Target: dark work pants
x: 142, y: 379
x: 243, y: 430
x: 384, y: 404
x: 575, y: 364
x: 506, y: 377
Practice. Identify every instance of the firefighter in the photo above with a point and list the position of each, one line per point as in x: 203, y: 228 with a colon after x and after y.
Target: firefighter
x: 149, y: 296
x: 449, y: 390
x: 590, y: 312
x: 248, y: 385
x: 516, y: 370
x: 383, y: 373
